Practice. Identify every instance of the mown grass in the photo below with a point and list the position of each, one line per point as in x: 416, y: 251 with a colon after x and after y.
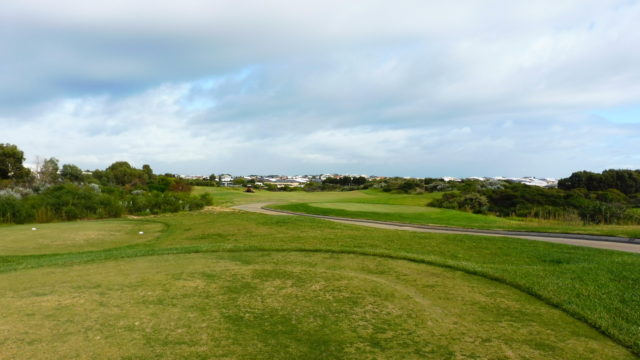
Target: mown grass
x: 326, y: 203
x: 423, y: 215
x: 77, y: 236
x: 601, y: 288
x: 265, y: 305
x: 237, y: 196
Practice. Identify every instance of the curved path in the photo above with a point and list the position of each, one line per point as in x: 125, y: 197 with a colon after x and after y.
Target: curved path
x: 601, y: 242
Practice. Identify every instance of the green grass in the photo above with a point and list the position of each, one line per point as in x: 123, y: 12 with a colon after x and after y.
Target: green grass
x: 407, y: 208
x: 241, y: 285
x: 377, y: 208
x: 237, y: 196
x: 74, y: 236
x: 424, y: 215
x: 281, y: 305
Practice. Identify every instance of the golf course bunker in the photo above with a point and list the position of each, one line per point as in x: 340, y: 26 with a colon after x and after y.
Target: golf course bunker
x: 253, y: 305
x: 75, y: 236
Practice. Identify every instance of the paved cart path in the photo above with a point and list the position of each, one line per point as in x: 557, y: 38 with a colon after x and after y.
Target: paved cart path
x: 595, y: 241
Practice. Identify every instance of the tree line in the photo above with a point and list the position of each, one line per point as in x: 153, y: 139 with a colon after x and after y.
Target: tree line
x: 60, y: 193
x: 611, y: 197
x: 625, y: 181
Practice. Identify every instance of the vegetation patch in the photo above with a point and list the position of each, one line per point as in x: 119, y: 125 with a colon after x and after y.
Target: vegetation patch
x: 52, y: 194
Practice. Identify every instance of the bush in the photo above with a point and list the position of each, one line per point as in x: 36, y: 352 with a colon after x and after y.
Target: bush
x: 70, y: 201
x: 472, y: 202
x: 438, y: 186
x: 13, y: 210
x: 156, y: 202
x: 631, y: 216
x: 626, y: 181
x: 597, y: 207
x: 475, y: 203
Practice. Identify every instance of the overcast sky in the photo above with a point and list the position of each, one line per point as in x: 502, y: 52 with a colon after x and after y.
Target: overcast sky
x: 408, y: 88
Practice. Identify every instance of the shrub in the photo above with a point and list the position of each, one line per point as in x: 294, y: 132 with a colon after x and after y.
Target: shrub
x: 472, y: 202
x: 13, y: 210
x: 598, y: 207
x: 438, y: 186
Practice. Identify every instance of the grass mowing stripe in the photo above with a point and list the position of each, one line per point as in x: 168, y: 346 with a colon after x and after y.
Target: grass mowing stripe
x: 282, y: 305
x: 446, y: 217
x: 435, y: 216
x: 596, y: 286
x: 95, y: 257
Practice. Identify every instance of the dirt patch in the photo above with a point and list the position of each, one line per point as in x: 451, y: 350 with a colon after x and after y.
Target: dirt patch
x: 217, y: 209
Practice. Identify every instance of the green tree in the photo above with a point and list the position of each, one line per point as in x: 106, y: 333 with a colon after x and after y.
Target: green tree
x: 48, y: 172
x: 71, y: 173
x: 148, y: 173
x: 123, y: 174
x: 359, y: 181
x: 626, y: 181
x: 240, y: 181
x: 11, y: 163
x: 179, y: 185
x: 161, y: 184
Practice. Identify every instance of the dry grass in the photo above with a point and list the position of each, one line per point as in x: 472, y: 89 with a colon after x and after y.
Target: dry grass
x: 216, y: 209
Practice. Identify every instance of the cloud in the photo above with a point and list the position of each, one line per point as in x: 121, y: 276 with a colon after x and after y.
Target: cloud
x: 158, y: 127
x: 114, y: 47
x: 409, y: 87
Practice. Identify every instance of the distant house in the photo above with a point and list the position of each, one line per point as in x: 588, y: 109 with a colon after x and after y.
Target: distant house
x: 280, y: 183
x: 532, y: 181
x: 192, y: 177
x: 225, y: 179
x: 449, y: 178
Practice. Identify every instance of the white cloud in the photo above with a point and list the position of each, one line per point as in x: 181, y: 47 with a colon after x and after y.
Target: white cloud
x: 412, y: 87
x: 156, y: 127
